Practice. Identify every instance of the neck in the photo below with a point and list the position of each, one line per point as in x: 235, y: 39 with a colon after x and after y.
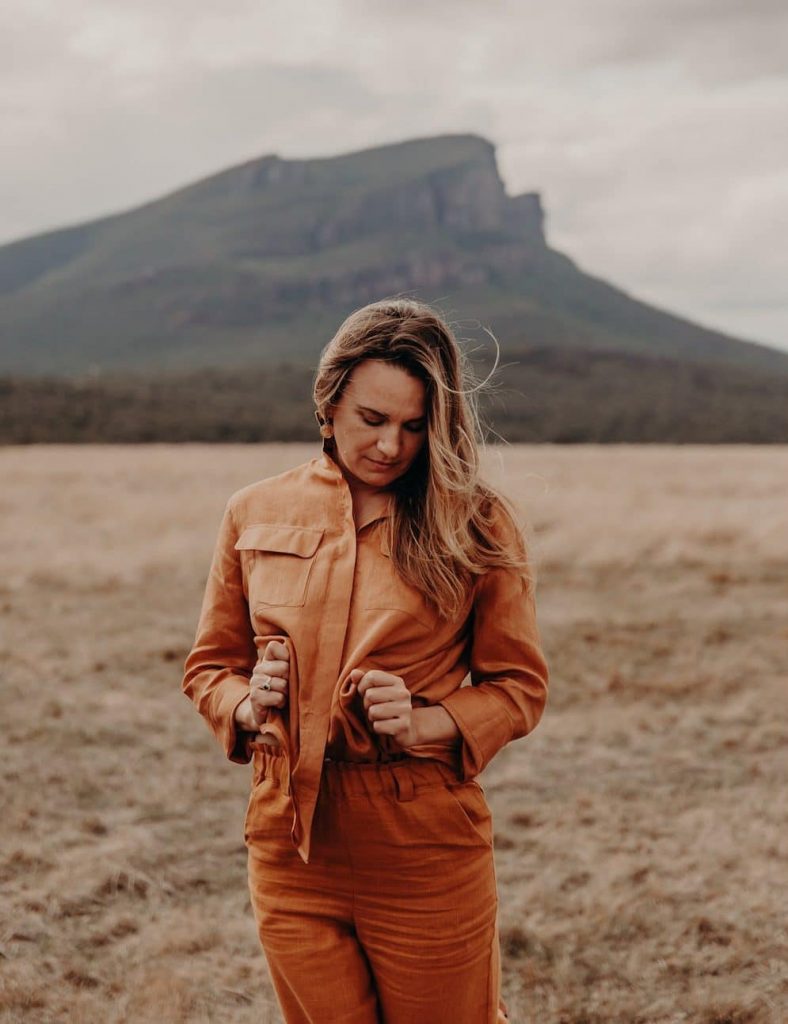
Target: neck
x: 364, y: 496
x: 359, y: 490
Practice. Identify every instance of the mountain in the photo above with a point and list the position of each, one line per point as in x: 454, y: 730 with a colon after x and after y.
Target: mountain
x: 265, y: 259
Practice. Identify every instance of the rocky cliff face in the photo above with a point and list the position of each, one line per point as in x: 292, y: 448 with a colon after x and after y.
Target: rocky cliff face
x: 466, y: 198
x: 463, y: 194
x: 464, y: 231
x: 526, y: 217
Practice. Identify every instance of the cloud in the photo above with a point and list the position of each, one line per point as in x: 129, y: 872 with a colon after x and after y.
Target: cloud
x: 654, y: 128
x: 711, y: 43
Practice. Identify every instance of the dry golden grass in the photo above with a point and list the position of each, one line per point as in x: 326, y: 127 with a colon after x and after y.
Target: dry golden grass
x: 641, y: 830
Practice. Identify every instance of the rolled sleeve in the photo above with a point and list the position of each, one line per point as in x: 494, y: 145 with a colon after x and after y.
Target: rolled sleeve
x: 218, y: 667
x: 508, y: 670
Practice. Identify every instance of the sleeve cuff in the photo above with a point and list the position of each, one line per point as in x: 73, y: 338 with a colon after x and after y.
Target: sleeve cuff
x: 232, y: 692
x: 484, y: 723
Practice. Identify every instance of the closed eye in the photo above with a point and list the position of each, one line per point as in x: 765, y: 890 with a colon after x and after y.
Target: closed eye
x: 413, y: 428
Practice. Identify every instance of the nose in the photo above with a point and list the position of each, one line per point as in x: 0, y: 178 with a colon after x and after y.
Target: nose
x: 389, y: 444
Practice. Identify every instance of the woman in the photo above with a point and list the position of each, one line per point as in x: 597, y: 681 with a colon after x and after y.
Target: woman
x: 347, y: 600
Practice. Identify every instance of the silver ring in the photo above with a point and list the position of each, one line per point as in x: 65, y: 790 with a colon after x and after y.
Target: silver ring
x: 266, y: 685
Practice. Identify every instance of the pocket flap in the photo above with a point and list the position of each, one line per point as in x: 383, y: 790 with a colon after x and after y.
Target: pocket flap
x: 292, y: 540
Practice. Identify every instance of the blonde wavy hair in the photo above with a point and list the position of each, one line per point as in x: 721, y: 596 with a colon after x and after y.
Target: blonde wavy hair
x: 448, y: 527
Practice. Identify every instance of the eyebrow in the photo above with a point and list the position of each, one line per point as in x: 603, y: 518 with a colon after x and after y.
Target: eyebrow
x: 383, y: 415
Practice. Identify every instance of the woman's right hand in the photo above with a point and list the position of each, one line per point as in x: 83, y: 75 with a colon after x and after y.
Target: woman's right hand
x: 267, y: 689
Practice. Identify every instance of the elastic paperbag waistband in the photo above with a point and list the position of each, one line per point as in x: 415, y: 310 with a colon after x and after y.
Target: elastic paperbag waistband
x: 270, y: 765
x: 401, y: 778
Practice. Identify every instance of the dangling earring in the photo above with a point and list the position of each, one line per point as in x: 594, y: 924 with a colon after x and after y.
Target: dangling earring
x: 326, y: 430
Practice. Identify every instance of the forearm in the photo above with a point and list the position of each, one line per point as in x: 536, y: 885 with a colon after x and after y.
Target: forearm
x: 433, y: 724
x: 217, y: 669
x: 509, y: 672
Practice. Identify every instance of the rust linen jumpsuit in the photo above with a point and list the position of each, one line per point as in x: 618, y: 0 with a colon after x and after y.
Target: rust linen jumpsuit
x: 371, y: 868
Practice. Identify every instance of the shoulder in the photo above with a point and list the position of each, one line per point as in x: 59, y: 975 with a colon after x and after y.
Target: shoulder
x: 285, y: 497
x: 502, y: 547
x: 500, y: 518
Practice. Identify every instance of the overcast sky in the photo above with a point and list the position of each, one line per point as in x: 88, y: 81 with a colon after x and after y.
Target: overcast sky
x: 656, y: 130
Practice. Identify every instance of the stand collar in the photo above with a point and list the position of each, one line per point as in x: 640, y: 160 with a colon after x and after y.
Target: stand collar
x: 332, y: 467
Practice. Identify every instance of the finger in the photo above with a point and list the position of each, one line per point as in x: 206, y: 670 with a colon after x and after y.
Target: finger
x: 264, y: 699
x: 390, y: 726
x: 260, y: 671
x: 384, y: 695
x: 264, y: 695
x: 273, y: 696
x: 274, y: 668
x: 268, y: 698
x: 260, y: 676
x: 391, y: 709
x: 392, y: 691
x: 277, y: 651
x: 375, y: 677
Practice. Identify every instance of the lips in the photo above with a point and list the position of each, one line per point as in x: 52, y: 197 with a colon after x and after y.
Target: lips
x: 381, y: 465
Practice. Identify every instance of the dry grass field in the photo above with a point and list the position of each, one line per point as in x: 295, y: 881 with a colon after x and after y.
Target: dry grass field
x: 642, y: 829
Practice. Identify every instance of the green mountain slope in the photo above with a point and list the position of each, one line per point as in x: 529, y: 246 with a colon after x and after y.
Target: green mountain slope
x: 265, y: 259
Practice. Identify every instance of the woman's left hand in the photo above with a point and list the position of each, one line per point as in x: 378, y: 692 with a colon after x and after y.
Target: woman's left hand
x: 387, y: 704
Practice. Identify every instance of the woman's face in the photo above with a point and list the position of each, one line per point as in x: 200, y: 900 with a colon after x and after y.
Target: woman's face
x: 380, y: 423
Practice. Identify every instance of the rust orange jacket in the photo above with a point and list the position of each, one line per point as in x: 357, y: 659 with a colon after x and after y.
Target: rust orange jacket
x: 291, y: 564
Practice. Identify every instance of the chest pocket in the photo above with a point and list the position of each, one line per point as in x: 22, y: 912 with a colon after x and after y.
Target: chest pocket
x: 277, y: 562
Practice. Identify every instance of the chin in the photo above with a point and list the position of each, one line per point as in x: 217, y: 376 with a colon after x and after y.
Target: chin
x: 371, y: 477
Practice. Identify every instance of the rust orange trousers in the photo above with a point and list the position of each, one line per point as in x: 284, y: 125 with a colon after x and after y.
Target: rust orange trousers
x: 394, y: 918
